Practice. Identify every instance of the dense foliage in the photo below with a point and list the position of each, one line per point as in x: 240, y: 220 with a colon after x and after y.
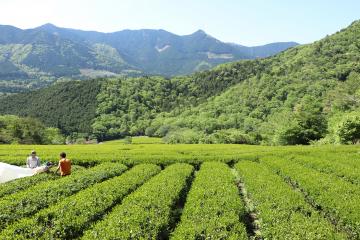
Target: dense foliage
x: 27, y: 130
x: 348, y: 129
x: 127, y: 106
x: 69, y: 106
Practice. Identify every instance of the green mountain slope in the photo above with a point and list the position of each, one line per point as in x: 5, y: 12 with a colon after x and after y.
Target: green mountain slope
x: 34, y: 58
x: 127, y: 106
x: 69, y: 106
x: 291, y: 102
x: 304, y: 94
x: 123, y: 105
x: 286, y: 99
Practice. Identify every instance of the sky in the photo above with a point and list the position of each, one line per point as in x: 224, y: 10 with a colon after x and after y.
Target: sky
x: 246, y: 22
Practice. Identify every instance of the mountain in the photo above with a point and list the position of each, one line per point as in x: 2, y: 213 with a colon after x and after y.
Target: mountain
x: 307, y: 93
x: 299, y: 96
x: 34, y: 58
x: 265, y: 50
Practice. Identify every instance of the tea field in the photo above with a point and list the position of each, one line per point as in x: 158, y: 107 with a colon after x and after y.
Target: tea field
x: 149, y: 190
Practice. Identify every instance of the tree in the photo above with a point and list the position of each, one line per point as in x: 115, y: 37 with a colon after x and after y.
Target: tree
x: 282, y: 128
x: 311, y: 120
x: 348, y: 129
x: 14, y: 129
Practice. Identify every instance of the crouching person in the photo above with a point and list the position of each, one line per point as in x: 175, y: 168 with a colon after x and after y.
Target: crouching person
x: 64, y: 165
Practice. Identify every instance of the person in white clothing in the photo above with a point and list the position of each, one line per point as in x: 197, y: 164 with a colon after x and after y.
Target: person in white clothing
x: 33, y: 161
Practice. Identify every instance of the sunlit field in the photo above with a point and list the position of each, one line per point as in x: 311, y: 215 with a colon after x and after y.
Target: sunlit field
x: 150, y: 190
x: 152, y: 150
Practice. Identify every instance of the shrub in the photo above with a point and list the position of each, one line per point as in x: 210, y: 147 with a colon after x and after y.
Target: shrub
x: 230, y: 136
x: 128, y: 140
x: 183, y: 135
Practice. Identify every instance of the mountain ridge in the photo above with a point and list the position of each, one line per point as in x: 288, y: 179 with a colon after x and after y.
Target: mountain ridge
x: 34, y: 58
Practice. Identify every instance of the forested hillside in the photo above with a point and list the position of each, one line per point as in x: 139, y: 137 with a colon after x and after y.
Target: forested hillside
x: 35, y: 58
x: 296, y: 97
x: 16, y: 130
x: 305, y: 94
x: 122, y: 106
x: 69, y: 106
x: 128, y: 106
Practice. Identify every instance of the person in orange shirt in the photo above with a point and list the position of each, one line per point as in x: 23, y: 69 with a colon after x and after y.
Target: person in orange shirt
x: 64, y: 165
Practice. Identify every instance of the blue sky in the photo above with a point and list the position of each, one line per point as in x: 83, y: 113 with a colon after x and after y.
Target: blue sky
x: 247, y: 22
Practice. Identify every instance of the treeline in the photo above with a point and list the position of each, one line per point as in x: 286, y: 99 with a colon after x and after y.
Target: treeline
x: 69, y: 106
x: 16, y: 130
